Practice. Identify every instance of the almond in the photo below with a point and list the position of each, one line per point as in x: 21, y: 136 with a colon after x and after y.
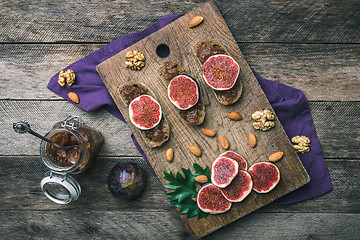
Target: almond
x: 169, y: 155
x: 195, y: 21
x: 201, y: 179
x: 195, y: 150
x: 276, y: 156
x: 208, y: 132
x: 252, y: 140
x: 234, y: 116
x: 224, y: 142
x: 73, y: 97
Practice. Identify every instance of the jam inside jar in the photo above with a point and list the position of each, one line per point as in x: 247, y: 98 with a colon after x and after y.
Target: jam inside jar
x: 82, y: 144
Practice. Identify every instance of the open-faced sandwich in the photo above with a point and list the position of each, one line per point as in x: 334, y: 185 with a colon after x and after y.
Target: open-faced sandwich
x: 183, y: 92
x: 220, y: 71
x: 145, y: 113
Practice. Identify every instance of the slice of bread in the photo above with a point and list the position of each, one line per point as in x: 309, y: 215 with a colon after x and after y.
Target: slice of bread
x: 205, y: 48
x: 156, y: 136
x: 193, y: 116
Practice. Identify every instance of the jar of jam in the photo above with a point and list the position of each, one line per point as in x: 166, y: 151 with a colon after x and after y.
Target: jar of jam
x: 81, y: 145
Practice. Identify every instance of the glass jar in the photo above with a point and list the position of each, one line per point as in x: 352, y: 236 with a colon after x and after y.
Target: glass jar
x: 82, y: 145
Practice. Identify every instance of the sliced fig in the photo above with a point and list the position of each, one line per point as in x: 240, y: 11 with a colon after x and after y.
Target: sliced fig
x: 237, y: 157
x: 239, y: 188
x: 145, y: 112
x: 183, y: 92
x: 210, y: 200
x: 265, y: 176
x: 223, y: 171
x: 221, y: 72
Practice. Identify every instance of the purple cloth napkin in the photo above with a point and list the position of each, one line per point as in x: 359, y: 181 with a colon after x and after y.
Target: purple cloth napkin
x: 290, y: 105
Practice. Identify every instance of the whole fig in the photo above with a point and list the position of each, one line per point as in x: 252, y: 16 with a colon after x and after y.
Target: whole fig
x: 126, y: 180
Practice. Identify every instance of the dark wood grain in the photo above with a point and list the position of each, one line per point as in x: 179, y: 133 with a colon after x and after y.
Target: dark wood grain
x: 326, y: 72
x: 343, y: 124
x: 94, y: 224
x: 25, y: 211
x: 181, y: 39
x: 25, y: 173
x: 305, y: 21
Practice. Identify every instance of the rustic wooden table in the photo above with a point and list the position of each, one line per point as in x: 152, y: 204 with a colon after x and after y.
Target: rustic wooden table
x: 310, y: 45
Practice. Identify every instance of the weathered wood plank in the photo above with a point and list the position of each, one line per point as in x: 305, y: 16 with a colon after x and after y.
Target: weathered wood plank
x: 99, y: 224
x: 21, y: 178
x: 249, y: 21
x: 326, y: 72
x: 333, y: 121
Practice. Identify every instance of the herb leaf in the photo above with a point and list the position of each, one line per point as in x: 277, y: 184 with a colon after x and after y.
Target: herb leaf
x: 185, y: 190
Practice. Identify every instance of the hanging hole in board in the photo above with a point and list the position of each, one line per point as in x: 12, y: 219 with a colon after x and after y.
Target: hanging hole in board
x: 163, y: 50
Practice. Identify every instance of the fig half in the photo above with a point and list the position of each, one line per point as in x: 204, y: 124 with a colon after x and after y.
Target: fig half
x: 223, y: 171
x: 237, y: 157
x: 183, y: 92
x: 145, y: 112
x: 239, y: 188
x: 265, y: 176
x: 221, y: 72
x: 210, y: 200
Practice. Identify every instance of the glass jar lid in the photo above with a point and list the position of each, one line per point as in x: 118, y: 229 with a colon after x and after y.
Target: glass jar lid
x: 60, y: 188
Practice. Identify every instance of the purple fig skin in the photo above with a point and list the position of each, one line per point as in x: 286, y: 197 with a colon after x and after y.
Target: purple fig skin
x: 126, y: 181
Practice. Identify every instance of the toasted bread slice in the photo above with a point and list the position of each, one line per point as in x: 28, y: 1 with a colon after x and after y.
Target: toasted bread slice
x: 205, y: 48
x: 194, y: 115
x: 156, y: 136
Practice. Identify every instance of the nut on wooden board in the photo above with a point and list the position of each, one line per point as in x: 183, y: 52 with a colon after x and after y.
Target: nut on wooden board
x: 224, y: 142
x: 234, y: 116
x: 195, y: 150
x: 195, y: 21
x: 276, y: 156
x: 208, y: 132
x: 263, y: 120
x: 252, y: 140
x: 169, y: 155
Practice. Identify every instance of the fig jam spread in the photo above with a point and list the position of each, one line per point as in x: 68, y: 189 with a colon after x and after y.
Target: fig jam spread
x: 131, y: 92
x: 157, y: 133
x: 228, y: 95
x: 192, y: 114
x: 172, y: 69
x: 58, y: 156
x: 208, y: 49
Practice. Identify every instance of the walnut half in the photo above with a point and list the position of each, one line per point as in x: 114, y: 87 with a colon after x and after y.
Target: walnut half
x: 302, y: 144
x: 67, y: 76
x: 135, y: 60
x: 263, y: 120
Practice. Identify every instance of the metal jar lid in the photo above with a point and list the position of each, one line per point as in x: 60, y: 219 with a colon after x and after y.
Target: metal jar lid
x: 60, y: 188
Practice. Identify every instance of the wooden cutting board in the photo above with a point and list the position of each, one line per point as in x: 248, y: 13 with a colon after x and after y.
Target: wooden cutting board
x: 181, y: 39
